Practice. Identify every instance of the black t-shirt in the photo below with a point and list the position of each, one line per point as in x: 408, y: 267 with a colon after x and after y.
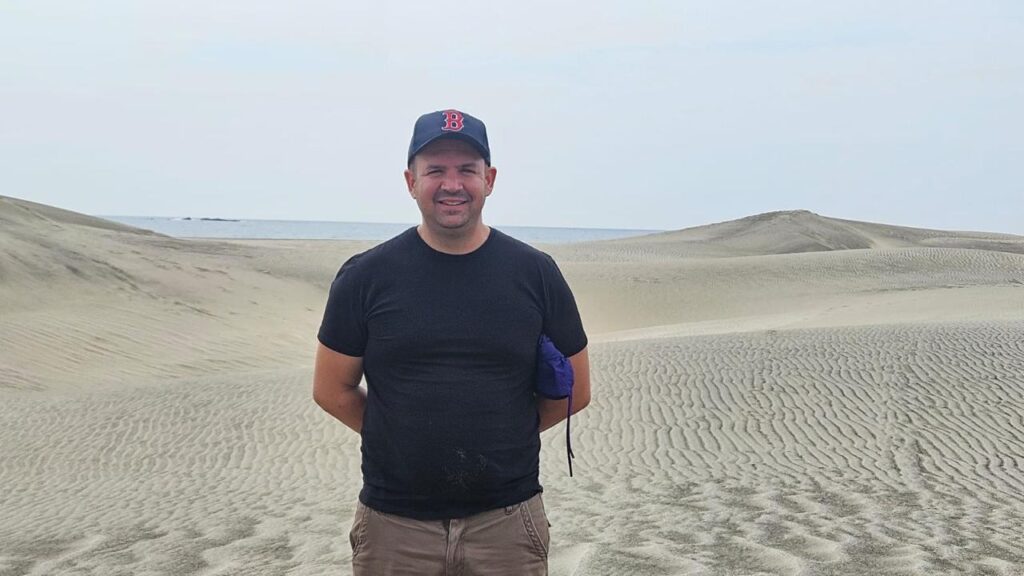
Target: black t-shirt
x: 449, y: 348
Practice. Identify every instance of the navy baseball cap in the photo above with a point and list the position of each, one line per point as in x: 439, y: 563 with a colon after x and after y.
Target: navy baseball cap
x: 449, y: 124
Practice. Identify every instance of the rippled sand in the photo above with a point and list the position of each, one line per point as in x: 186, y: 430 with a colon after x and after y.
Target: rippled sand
x: 784, y: 394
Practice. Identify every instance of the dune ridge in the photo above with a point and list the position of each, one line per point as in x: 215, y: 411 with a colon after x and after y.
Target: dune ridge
x: 87, y: 306
x: 782, y: 394
x: 795, y: 231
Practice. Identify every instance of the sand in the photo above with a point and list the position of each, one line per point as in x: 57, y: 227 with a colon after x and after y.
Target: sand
x: 783, y: 394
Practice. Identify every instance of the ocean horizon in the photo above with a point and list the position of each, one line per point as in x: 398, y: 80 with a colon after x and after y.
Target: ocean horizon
x: 195, y: 227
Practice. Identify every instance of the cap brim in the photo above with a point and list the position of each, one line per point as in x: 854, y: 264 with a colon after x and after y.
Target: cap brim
x: 454, y: 136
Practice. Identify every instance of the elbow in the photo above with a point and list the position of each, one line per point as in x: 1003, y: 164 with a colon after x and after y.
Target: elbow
x: 320, y: 397
x: 580, y: 402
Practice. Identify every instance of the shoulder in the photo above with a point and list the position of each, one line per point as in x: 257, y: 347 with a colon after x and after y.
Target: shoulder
x: 521, y: 252
x: 380, y: 256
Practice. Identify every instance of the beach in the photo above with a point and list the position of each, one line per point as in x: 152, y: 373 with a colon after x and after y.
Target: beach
x: 784, y: 394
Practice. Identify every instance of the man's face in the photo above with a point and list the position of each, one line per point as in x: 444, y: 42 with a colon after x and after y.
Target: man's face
x: 450, y: 181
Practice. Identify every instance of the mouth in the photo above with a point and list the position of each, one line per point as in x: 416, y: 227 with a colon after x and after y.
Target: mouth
x: 452, y: 202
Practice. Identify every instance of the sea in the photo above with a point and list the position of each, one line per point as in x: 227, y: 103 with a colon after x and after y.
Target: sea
x: 314, y: 230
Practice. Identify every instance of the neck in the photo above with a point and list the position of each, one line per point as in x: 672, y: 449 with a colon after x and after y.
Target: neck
x: 454, y: 242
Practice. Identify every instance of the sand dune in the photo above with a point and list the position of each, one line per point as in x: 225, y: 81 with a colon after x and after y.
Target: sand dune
x: 783, y: 394
x: 875, y: 450
x: 86, y: 306
x: 821, y: 288
x: 794, y: 231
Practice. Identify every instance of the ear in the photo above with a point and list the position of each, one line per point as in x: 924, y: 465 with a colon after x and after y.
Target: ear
x: 490, y: 175
x: 410, y: 180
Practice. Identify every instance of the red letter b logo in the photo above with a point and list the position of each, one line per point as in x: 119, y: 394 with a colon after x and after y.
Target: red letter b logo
x: 452, y: 121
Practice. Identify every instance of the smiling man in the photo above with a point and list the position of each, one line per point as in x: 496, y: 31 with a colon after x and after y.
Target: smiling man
x: 443, y: 321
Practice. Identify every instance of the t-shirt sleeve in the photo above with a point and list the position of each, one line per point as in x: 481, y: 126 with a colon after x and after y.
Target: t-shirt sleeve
x: 561, y: 317
x: 343, y: 328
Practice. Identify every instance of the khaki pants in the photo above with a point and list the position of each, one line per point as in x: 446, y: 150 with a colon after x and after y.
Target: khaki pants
x: 506, y: 541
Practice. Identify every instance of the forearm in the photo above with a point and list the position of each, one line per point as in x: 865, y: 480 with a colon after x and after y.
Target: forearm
x: 554, y: 411
x: 347, y: 405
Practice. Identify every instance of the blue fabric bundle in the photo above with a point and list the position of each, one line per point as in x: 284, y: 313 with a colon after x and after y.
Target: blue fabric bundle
x: 554, y: 381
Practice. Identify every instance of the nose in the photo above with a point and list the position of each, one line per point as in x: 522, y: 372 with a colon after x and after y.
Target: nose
x: 451, y: 184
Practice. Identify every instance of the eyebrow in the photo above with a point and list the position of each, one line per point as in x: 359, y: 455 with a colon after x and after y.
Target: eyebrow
x: 442, y: 166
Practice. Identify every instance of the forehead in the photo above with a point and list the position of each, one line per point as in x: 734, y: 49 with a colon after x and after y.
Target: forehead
x: 450, y: 148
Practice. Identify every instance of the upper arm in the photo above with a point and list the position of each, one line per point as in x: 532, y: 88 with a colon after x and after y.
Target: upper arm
x: 562, y: 322
x: 581, y: 379
x: 343, y: 328
x: 334, y: 371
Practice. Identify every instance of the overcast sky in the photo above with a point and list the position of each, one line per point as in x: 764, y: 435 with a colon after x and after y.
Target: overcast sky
x: 601, y: 114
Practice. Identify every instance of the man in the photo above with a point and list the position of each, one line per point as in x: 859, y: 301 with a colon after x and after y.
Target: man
x: 443, y: 320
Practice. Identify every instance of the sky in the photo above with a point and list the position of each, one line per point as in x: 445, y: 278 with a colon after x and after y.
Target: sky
x: 651, y: 115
